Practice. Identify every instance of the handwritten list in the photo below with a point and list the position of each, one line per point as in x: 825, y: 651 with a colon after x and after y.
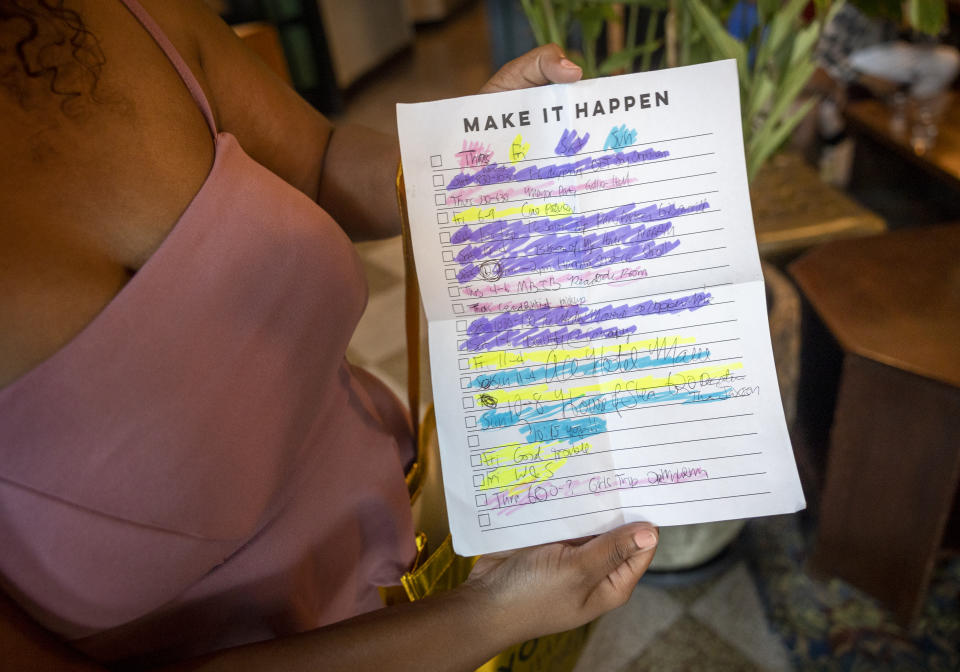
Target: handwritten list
x: 597, y: 319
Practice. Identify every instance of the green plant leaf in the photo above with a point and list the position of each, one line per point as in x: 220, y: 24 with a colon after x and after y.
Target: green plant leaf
x: 789, y: 89
x: 624, y: 58
x: 780, y: 29
x: 653, y: 4
x: 928, y: 16
x: 804, y: 43
x: 591, y: 24
x: 576, y: 57
x: 535, y: 19
x: 766, y: 9
x: 723, y: 44
x: 550, y: 22
x: 760, y: 93
x: 763, y: 147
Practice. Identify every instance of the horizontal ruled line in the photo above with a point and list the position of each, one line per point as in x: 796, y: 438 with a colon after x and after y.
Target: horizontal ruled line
x: 622, y: 429
x: 593, y: 151
x: 592, y: 172
x: 536, y: 236
x: 618, y: 489
x: 642, y: 407
x: 577, y: 324
x: 587, y: 397
x: 584, y: 174
x: 524, y: 463
x: 600, y: 357
x: 628, y: 506
x: 592, y: 268
x: 481, y: 260
x: 584, y: 212
x: 581, y: 232
x: 635, y: 333
x: 604, y: 374
x: 615, y: 282
x: 628, y: 298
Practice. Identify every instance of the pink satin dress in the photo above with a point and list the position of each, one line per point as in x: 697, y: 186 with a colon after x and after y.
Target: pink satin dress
x: 200, y: 467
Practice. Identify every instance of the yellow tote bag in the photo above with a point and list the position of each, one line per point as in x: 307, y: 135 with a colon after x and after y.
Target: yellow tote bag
x: 437, y: 567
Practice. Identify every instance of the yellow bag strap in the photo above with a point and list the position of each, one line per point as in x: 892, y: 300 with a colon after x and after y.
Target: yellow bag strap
x: 441, y: 569
x: 416, y: 473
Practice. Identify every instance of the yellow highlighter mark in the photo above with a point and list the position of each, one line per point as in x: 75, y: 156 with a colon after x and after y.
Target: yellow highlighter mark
x: 518, y: 149
x: 543, y: 392
x: 519, y: 466
x: 502, y: 360
x: 487, y: 213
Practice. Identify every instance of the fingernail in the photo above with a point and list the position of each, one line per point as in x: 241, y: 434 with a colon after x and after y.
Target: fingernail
x: 646, y: 539
x: 567, y: 63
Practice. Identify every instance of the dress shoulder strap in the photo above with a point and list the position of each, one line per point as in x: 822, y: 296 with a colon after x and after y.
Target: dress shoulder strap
x: 175, y: 58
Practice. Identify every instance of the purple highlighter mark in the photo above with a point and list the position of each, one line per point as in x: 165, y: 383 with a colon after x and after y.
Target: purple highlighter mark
x: 496, y: 269
x: 570, y: 144
x: 495, y: 173
x: 568, y: 315
x: 523, y: 230
x: 553, y: 243
x: 536, y: 337
x: 535, y: 324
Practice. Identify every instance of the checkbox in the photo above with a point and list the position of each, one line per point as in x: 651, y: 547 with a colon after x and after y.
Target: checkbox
x: 464, y: 364
x: 484, y: 519
x: 436, y: 161
x: 445, y: 238
x: 440, y: 199
x: 478, y: 480
x: 464, y: 383
x: 471, y: 422
x: 475, y: 461
x: 481, y: 500
x: 438, y: 180
x: 458, y: 308
x: 461, y: 324
x: 454, y: 292
x: 462, y: 342
x: 447, y: 255
x: 473, y: 441
x: 468, y: 402
x: 443, y: 217
x: 451, y: 273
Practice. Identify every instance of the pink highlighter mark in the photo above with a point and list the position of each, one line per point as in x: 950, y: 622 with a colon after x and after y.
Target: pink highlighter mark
x: 681, y: 475
x: 532, y: 283
x: 469, y: 195
x: 604, y: 183
x: 509, y: 504
x: 539, y: 283
x: 474, y: 153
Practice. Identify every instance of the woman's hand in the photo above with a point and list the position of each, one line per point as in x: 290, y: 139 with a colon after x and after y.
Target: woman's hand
x: 543, y: 65
x: 560, y: 586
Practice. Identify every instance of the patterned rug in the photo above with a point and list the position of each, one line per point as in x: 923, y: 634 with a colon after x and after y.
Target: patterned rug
x: 832, y: 626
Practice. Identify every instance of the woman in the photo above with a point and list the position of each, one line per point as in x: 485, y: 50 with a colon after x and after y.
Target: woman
x: 190, y: 472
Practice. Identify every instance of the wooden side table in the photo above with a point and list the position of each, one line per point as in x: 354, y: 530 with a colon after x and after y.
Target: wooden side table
x: 872, y: 117
x: 892, y: 303
x: 793, y: 209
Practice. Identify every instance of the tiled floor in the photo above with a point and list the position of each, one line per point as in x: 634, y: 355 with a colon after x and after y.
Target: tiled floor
x: 711, y: 619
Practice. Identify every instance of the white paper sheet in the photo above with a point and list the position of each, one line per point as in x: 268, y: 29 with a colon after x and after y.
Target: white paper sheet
x: 597, y: 319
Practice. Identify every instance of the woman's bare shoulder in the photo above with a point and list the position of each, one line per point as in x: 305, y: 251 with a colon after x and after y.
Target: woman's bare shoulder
x: 103, y: 148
